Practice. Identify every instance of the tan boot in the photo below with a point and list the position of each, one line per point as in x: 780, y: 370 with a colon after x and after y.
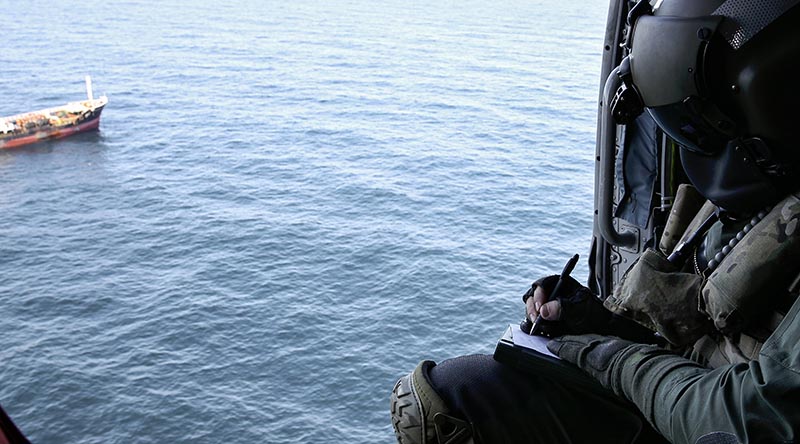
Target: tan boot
x: 420, y: 416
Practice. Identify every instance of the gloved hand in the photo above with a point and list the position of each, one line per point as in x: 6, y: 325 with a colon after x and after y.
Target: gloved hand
x: 598, y: 355
x: 577, y: 309
x: 631, y: 370
x: 611, y: 360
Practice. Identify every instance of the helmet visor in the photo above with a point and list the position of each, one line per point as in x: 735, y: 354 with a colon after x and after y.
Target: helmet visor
x: 684, y: 123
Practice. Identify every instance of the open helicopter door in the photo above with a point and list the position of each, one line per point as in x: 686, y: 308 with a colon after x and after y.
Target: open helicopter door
x: 637, y: 172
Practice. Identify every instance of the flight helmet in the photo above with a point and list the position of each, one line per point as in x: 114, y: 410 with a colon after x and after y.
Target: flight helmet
x: 722, y: 79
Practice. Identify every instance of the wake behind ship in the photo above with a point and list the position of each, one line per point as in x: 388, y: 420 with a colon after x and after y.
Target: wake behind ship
x: 53, y: 123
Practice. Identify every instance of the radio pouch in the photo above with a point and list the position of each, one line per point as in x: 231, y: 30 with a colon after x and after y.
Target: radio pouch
x: 656, y: 294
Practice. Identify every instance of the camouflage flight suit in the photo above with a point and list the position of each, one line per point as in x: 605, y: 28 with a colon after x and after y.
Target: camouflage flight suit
x: 739, y: 378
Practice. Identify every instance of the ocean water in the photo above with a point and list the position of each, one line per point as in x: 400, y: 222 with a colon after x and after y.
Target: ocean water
x: 287, y: 206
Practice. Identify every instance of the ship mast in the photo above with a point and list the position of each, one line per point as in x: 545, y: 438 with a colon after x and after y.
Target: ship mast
x: 89, y: 88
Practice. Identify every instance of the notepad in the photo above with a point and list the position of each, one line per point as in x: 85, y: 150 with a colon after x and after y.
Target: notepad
x: 534, y: 342
x: 530, y: 354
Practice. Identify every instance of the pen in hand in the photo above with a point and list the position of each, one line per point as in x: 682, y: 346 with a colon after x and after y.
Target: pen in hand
x: 570, y: 265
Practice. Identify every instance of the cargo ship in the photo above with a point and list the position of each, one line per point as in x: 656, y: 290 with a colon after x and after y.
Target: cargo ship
x: 53, y: 123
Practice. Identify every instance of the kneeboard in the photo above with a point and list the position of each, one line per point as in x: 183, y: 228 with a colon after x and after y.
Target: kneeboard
x: 529, y: 354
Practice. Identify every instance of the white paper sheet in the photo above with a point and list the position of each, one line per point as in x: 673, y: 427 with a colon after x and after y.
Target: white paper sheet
x: 535, y: 342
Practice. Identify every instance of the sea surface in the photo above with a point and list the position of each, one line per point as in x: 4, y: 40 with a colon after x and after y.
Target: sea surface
x: 287, y: 206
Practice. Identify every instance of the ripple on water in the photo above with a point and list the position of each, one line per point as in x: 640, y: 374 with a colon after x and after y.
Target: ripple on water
x: 286, y: 208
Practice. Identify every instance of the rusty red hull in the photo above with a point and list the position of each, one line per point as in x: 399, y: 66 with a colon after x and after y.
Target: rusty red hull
x: 54, y: 123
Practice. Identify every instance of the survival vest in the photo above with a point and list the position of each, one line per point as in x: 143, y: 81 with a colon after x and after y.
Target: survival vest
x: 723, y: 314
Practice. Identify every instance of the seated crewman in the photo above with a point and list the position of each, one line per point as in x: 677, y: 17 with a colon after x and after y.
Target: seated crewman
x: 721, y: 79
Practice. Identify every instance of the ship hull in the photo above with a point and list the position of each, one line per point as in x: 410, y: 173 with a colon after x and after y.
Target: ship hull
x: 52, y: 133
x: 52, y: 123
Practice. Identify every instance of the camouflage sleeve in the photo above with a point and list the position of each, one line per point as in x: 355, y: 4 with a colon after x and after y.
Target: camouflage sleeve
x: 745, y: 403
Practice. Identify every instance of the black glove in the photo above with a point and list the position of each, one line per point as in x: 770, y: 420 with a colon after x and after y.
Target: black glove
x: 596, y: 354
x: 631, y: 370
x: 581, y: 311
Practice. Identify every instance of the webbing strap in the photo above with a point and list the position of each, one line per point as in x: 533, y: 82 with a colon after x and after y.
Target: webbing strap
x: 746, y: 18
